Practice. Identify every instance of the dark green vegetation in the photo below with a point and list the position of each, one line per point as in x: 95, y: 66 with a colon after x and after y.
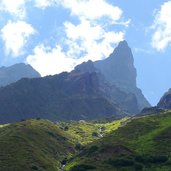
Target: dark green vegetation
x: 131, y: 144
x: 42, y: 145
x: 33, y: 145
x: 93, y: 90
x: 142, y: 144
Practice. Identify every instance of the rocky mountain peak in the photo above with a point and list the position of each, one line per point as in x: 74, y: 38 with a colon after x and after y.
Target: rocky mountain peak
x: 15, y: 72
x: 119, y: 66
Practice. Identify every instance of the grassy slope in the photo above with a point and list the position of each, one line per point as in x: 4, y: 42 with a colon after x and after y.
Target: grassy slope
x: 42, y: 145
x: 83, y: 131
x: 33, y: 145
x: 142, y: 144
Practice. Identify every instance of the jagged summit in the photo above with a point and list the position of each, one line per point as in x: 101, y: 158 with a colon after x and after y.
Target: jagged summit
x: 123, y: 43
x: 119, y: 70
x: 119, y: 66
x: 123, y: 53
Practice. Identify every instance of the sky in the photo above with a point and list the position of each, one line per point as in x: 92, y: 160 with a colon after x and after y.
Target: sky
x: 55, y: 35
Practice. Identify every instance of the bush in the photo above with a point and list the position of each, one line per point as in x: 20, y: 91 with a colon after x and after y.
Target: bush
x: 95, y: 134
x: 121, y: 162
x: 158, y: 159
x: 78, y: 146
x: 64, y: 161
x: 140, y: 159
x: 92, y: 149
x: 82, y: 167
x: 138, y: 166
x: 66, y: 128
x: 151, y: 159
x: 34, y: 167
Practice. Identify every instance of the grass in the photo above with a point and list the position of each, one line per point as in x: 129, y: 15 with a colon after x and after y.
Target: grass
x: 42, y: 145
x: 144, y: 143
x: 129, y: 144
x: 33, y: 145
x: 83, y: 131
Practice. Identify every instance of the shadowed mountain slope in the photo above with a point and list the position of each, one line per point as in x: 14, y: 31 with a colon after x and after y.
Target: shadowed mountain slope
x: 88, y: 92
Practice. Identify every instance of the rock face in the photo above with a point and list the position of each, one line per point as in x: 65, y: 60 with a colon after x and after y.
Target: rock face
x: 119, y: 67
x: 119, y: 70
x: 15, y: 72
x: 165, y: 101
x: 93, y: 90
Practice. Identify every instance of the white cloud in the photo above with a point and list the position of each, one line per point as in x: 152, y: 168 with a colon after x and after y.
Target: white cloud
x: 85, y: 42
x: 15, y: 36
x: 50, y: 61
x: 92, y: 9
x: 89, y: 39
x: 88, y: 9
x: 44, y: 3
x: 141, y: 50
x: 14, y: 7
x: 162, y: 26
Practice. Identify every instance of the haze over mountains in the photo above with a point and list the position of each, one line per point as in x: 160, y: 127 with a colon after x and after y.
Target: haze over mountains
x: 15, y: 72
x: 96, y: 90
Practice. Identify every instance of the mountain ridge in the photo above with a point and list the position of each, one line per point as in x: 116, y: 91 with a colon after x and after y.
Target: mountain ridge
x: 84, y: 93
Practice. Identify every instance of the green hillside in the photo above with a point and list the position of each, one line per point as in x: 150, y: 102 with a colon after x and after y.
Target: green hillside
x: 84, y: 132
x: 42, y: 145
x: 129, y: 144
x: 33, y: 145
x: 144, y: 143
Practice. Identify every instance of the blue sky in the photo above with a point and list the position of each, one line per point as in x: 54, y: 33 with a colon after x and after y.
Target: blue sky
x: 55, y: 35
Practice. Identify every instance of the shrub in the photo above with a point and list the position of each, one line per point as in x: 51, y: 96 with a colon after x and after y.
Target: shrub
x: 78, y: 146
x: 95, y: 134
x: 151, y: 159
x: 82, y: 167
x: 64, y: 161
x: 34, y: 167
x: 121, y: 162
x: 66, y: 128
x: 92, y: 149
x: 138, y: 166
x: 158, y: 159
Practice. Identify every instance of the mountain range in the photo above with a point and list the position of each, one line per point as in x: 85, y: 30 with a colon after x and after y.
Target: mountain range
x: 93, y: 90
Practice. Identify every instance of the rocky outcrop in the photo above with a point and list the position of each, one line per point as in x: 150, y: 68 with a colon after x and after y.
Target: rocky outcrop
x: 165, y: 101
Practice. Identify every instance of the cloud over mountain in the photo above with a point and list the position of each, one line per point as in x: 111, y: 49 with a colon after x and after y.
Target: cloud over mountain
x: 162, y: 26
